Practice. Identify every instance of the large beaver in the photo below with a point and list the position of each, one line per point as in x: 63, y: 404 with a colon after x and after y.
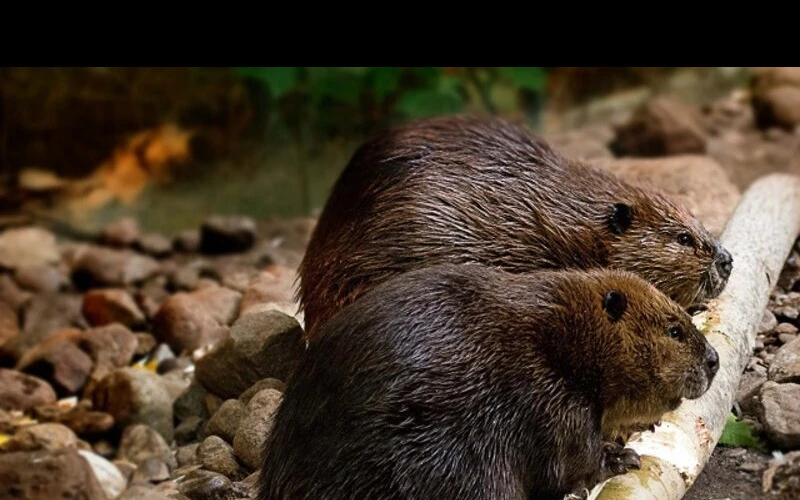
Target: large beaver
x: 480, y: 189
x: 467, y: 382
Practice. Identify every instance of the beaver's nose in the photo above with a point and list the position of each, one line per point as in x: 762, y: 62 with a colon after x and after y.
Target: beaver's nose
x: 712, y: 361
x: 724, y: 263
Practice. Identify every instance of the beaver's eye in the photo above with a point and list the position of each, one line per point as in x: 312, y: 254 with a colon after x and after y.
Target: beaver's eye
x: 685, y: 239
x: 675, y: 332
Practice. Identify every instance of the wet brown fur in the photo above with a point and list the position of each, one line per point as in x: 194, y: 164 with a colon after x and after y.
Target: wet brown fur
x: 480, y: 189
x: 466, y: 382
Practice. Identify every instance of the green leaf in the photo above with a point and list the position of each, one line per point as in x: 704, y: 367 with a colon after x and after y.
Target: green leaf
x: 280, y: 81
x: 385, y: 81
x: 527, y: 78
x: 739, y: 434
x: 430, y: 102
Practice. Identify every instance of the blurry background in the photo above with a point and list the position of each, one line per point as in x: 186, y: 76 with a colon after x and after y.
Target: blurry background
x: 172, y: 146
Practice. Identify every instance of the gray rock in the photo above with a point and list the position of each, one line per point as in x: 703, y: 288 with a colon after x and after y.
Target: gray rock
x: 104, y: 267
x: 187, y: 454
x: 47, y: 436
x: 261, y: 345
x: 191, y: 403
x: 45, y: 475
x: 41, y: 278
x: 785, y: 366
x: 227, y: 234
x: 780, y: 413
x: 136, y: 396
x: 256, y: 427
x: 217, y: 456
x: 140, y: 442
x: 208, y: 486
x: 226, y: 420
x: 661, y: 127
x: 768, y: 322
x: 749, y: 389
x: 151, y: 470
x: 267, y: 383
x: 27, y: 247
x: 111, y: 480
x: 105, y: 306
x: 781, y: 480
x: 47, y: 314
x: 20, y: 391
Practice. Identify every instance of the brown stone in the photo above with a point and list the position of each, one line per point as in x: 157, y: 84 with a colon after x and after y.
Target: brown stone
x: 47, y: 475
x: 104, y: 267
x: 20, y: 391
x: 27, y: 247
x: 105, y: 306
x: 60, y: 361
x: 661, y: 127
x: 123, y: 232
x: 9, y: 324
x: 184, y: 324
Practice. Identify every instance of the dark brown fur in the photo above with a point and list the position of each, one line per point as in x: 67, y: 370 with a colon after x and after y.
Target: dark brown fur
x: 479, y: 189
x: 465, y: 382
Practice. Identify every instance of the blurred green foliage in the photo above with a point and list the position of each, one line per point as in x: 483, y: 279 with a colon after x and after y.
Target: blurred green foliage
x: 342, y: 100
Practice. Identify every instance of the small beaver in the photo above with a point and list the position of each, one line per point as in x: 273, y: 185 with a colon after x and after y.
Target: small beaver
x: 462, y: 381
x: 464, y: 188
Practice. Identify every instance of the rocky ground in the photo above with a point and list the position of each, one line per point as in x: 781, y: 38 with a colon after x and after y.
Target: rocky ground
x: 133, y: 365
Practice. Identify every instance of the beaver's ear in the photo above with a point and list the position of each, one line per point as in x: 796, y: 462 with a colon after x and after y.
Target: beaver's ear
x: 620, y: 219
x: 614, y: 304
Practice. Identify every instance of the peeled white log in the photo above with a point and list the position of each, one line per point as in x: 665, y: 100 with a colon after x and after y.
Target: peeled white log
x: 759, y: 236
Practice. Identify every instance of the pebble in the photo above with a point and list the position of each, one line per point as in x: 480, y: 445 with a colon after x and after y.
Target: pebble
x: 106, y: 306
x: 187, y: 241
x: 41, y: 278
x: 123, y: 232
x: 45, y: 475
x: 187, y: 454
x: 267, y: 383
x: 217, y: 456
x: 140, y: 442
x: 155, y: 244
x: 780, y: 412
x: 261, y: 345
x: 134, y: 395
x: 222, y: 303
x: 20, y: 391
x: 255, y: 427
x: 47, y: 314
x: 151, y: 470
x: 226, y: 420
x: 227, y: 234
x: 191, y: 403
x: 185, y: 325
x: 11, y: 294
x: 207, y: 486
x: 27, y: 247
x: 110, y: 478
x: 104, y: 267
x: 63, y: 363
x: 785, y: 366
x: 111, y: 346
x: 188, y: 430
x: 42, y: 437
x: 768, y: 322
